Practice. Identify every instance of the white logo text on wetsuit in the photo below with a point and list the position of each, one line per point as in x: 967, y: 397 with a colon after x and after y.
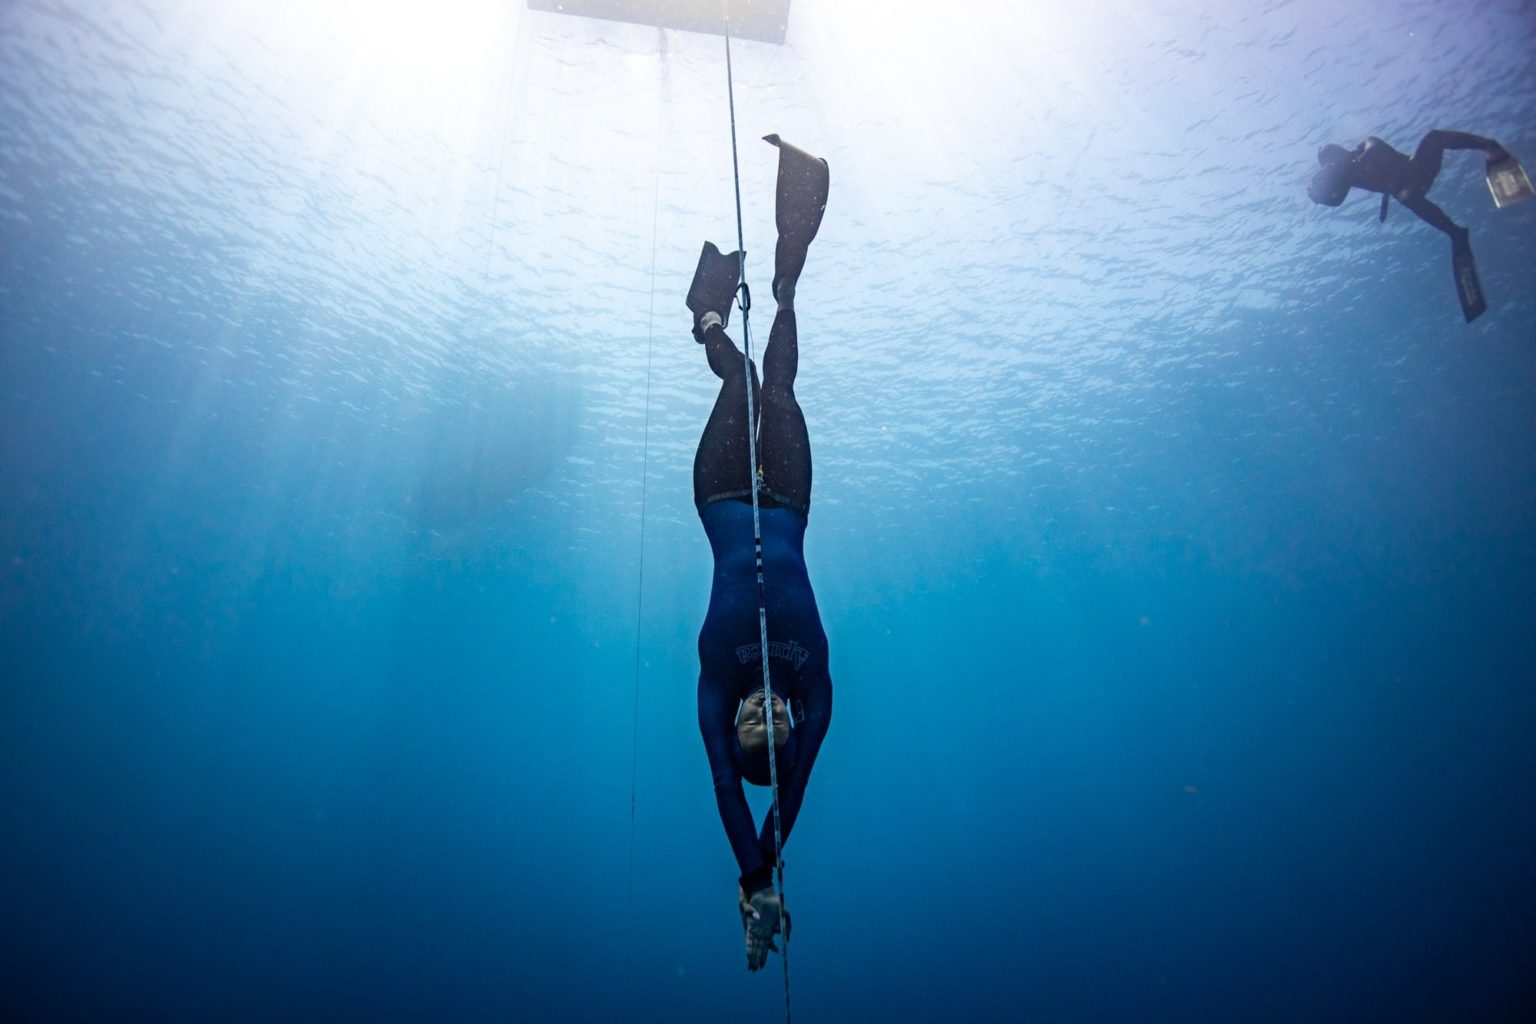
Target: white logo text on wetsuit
x: 787, y: 650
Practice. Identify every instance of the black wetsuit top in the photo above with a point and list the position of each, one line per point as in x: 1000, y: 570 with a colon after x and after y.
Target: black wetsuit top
x: 730, y: 669
x: 1377, y: 167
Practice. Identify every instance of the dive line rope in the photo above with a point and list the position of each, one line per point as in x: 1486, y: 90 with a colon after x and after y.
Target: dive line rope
x: 744, y: 303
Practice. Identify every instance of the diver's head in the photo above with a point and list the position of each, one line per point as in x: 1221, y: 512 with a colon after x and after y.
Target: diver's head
x: 751, y: 733
x: 1331, y: 154
x: 752, y: 739
x: 1330, y: 184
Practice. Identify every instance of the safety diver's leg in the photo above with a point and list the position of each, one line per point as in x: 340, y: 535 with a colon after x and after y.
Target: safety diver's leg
x: 784, y: 443
x: 1436, y: 218
x: 1430, y: 155
x: 1469, y: 290
x: 721, y: 465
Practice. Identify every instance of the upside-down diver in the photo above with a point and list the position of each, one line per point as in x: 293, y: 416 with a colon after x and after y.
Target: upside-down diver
x: 731, y: 691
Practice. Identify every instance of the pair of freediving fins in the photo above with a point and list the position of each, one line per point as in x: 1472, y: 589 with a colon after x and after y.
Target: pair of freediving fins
x: 1509, y: 184
x: 800, y: 201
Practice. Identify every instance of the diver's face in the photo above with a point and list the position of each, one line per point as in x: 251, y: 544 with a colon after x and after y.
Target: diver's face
x: 750, y: 730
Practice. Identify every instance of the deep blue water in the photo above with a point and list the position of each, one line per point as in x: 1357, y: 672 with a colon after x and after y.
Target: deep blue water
x: 1175, y: 539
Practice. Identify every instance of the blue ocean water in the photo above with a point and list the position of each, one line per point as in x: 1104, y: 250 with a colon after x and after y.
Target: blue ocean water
x: 1174, y: 537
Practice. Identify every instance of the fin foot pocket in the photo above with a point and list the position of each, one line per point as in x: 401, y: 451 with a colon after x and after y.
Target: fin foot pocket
x: 714, y: 286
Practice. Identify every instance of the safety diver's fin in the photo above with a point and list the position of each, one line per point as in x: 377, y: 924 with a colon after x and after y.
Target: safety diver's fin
x: 801, y: 200
x: 1508, y: 182
x: 714, y: 286
x: 1386, y: 199
x: 1468, y: 288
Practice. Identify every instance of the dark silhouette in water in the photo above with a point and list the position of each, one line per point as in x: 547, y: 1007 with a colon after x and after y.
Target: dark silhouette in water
x: 1377, y: 167
x: 732, y: 717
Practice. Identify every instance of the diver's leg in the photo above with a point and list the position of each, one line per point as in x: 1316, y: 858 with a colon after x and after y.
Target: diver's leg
x: 721, y: 465
x: 1443, y: 139
x: 784, y: 444
x: 800, y: 202
x: 1435, y: 217
x: 1430, y: 154
x: 1468, y: 289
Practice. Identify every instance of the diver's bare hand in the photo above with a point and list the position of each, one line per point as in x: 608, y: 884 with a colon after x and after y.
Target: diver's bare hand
x: 762, y: 915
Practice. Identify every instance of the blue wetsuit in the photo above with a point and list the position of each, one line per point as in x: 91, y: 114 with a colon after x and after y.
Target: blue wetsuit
x: 730, y: 670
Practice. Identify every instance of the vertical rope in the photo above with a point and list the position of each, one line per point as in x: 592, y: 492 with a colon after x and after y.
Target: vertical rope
x: 501, y: 152
x: 645, y: 464
x: 744, y: 302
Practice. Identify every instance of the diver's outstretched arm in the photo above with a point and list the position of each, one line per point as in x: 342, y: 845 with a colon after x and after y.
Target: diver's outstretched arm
x: 717, y: 715
x: 809, y: 734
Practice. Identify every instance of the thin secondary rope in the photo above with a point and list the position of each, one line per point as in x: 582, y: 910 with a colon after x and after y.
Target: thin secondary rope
x: 745, y: 304
x: 645, y: 464
x: 501, y: 152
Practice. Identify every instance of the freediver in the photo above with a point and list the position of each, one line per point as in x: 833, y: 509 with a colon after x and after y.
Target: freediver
x: 1377, y: 167
x: 730, y: 694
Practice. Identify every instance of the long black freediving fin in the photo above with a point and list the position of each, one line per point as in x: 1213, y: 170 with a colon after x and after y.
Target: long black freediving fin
x: 1468, y: 288
x: 1508, y: 182
x: 800, y: 202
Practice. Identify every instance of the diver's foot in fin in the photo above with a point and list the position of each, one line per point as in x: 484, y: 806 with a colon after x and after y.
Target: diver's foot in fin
x: 802, y: 199
x: 714, y: 287
x: 1469, y: 290
x: 1507, y: 180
